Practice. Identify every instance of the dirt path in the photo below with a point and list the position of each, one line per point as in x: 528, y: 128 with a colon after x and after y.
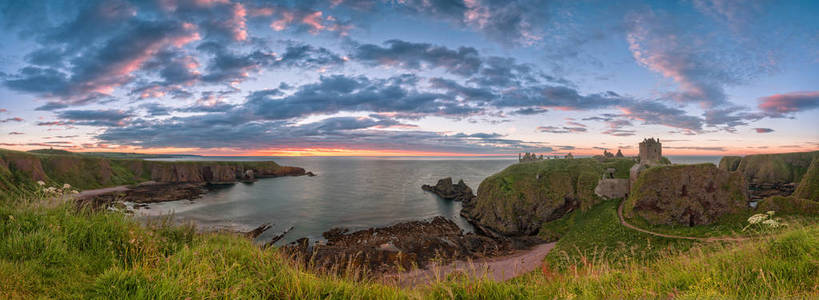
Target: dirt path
x: 500, y: 268
x: 693, y: 238
x: 97, y: 192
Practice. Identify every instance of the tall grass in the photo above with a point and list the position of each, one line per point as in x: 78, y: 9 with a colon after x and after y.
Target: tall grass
x: 57, y: 251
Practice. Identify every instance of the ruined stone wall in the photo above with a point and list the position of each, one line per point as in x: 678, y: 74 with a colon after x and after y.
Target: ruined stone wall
x: 611, y: 188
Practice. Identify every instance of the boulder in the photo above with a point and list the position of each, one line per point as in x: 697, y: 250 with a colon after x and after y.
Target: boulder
x: 445, y: 189
x: 686, y: 194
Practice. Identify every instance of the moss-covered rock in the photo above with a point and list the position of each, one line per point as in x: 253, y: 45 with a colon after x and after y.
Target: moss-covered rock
x: 519, y: 199
x: 730, y: 163
x: 775, y: 168
x: 808, y: 187
x: 788, y: 205
x: 686, y: 194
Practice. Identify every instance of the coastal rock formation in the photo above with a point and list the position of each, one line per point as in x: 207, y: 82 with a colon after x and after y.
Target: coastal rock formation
x: 400, y: 246
x: 771, y: 174
x: 520, y: 199
x: 445, y: 189
x: 20, y: 170
x: 808, y: 188
x: 686, y: 194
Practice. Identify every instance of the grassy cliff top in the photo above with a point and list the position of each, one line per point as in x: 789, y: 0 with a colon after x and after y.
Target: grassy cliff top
x: 808, y: 188
x: 19, y: 171
x: 771, y: 168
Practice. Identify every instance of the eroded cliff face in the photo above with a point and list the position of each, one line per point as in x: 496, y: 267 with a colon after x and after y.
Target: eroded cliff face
x: 770, y: 174
x: 771, y: 168
x: 21, y: 169
x: 808, y: 188
x: 686, y: 194
x: 520, y: 199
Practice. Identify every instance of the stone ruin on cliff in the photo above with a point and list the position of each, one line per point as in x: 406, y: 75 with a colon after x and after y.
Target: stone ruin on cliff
x: 651, y: 151
x: 650, y: 155
x: 529, y: 157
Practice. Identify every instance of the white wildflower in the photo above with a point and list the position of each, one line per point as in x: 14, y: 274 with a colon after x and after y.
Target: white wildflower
x: 757, y: 218
x: 66, y: 186
x: 75, y: 192
x: 770, y: 213
x: 771, y: 222
x: 40, y: 182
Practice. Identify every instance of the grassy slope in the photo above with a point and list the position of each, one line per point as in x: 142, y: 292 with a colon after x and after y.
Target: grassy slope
x: 781, y: 167
x: 808, y: 188
x: 58, y: 253
x: 62, y: 253
x: 598, y: 235
x: 781, y: 267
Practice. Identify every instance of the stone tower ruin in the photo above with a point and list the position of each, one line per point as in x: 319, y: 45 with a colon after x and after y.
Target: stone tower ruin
x: 651, y: 151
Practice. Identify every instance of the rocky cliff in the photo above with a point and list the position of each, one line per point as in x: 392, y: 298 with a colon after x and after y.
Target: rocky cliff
x: 520, y: 199
x: 808, y: 188
x: 770, y: 168
x: 770, y: 174
x: 686, y: 194
x: 20, y: 170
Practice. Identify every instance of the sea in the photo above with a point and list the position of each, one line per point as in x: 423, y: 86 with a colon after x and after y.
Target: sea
x: 348, y: 192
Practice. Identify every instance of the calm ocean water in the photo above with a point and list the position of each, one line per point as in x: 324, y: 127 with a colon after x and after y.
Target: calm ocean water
x: 348, y: 192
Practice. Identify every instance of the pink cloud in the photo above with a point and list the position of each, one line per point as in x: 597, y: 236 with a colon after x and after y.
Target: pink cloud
x: 789, y: 102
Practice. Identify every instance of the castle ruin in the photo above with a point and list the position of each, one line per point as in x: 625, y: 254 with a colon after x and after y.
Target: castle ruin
x: 651, y: 151
x: 651, y: 154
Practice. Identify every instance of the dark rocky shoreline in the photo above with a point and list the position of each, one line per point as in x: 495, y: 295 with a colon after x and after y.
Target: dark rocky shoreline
x: 189, y: 184
x: 407, y: 245
x: 399, y: 247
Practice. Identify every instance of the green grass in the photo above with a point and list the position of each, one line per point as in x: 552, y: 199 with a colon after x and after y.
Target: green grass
x: 808, y: 188
x: 784, y: 266
x: 781, y: 167
x: 60, y: 252
x: 597, y: 235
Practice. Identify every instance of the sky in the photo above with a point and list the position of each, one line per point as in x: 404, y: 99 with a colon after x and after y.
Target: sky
x: 409, y: 77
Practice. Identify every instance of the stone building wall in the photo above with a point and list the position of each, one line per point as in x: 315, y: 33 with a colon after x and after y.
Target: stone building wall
x: 651, y: 151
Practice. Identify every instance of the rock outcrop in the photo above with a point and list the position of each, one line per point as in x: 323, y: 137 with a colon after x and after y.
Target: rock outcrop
x: 808, y: 188
x: 400, y: 246
x: 520, y: 199
x: 21, y: 169
x: 770, y: 174
x: 686, y: 194
x: 445, y: 189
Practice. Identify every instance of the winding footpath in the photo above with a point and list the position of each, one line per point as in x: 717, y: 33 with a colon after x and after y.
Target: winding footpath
x: 498, y: 269
x: 693, y: 238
